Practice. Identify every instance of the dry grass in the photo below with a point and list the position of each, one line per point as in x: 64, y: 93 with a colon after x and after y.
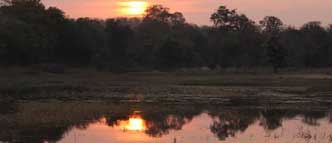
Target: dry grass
x: 152, y: 87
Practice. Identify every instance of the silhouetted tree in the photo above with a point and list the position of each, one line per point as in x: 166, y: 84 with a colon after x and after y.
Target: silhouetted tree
x: 28, y: 39
x: 224, y: 18
x: 316, y: 44
x: 272, y: 27
x: 82, y: 42
x: 170, y: 54
x: 276, y: 53
x: 119, y: 37
x: 31, y: 33
x: 235, y: 40
x: 329, y: 30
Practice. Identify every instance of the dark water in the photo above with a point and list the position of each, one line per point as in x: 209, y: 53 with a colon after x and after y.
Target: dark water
x: 89, y: 122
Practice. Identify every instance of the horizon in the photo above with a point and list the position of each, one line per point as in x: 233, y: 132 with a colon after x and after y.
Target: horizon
x: 292, y: 13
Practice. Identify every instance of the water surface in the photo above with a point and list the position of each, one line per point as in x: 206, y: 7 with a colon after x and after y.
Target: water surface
x: 206, y: 129
x: 86, y: 122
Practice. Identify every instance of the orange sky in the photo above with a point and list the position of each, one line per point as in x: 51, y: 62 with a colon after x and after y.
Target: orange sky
x: 292, y: 12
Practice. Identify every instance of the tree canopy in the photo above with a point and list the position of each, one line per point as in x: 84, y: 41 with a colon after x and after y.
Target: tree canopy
x: 31, y: 33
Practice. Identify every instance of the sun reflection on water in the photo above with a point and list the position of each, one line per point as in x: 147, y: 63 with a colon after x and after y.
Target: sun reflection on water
x: 134, y: 123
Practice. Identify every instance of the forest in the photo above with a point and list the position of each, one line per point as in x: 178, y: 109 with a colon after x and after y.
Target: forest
x: 33, y: 34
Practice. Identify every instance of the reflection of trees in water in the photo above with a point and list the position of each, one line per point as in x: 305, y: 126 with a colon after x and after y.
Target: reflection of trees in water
x: 311, y: 117
x: 162, y: 127
x: 113, y: 120
x: 272, y: 118
x: 329, y: 116
x: 160, y: 123
x: 44, y: 123
x: 230, y: 122
x: 38, y: 134
x: 159, y: 120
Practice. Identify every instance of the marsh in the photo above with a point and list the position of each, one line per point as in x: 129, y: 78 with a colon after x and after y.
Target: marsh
x: 103, y: 122
x: 201, y: 71
x: 165, y: 107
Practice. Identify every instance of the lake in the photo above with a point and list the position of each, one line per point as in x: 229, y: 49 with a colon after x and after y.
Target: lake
x: 105, y: 122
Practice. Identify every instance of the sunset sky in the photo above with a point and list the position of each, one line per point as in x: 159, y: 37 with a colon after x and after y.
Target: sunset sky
x: 292, y: 12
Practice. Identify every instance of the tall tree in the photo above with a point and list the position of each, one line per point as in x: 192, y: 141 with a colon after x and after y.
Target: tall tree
x: 234, y: 39
x: 272, y: 27
x: 170, y: 55
x: 118, y: 36
x: 329, y: 30
x: 316, y: 41
x: 29, y: 18
x: 224, y: 17
x: 82, y: 41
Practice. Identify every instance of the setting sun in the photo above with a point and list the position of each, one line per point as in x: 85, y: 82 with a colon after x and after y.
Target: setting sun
x: 133, y: 8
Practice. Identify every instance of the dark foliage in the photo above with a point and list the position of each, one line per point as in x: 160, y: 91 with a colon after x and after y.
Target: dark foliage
x: 32, y: 34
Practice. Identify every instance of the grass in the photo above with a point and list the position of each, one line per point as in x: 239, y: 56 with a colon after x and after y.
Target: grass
x: 81, y: 84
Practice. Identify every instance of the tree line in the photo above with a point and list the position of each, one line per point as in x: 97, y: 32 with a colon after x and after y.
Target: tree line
x: 31, y: 33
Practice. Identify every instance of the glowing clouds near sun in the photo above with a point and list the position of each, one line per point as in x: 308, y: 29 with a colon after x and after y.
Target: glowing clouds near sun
x: 132, y: 8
